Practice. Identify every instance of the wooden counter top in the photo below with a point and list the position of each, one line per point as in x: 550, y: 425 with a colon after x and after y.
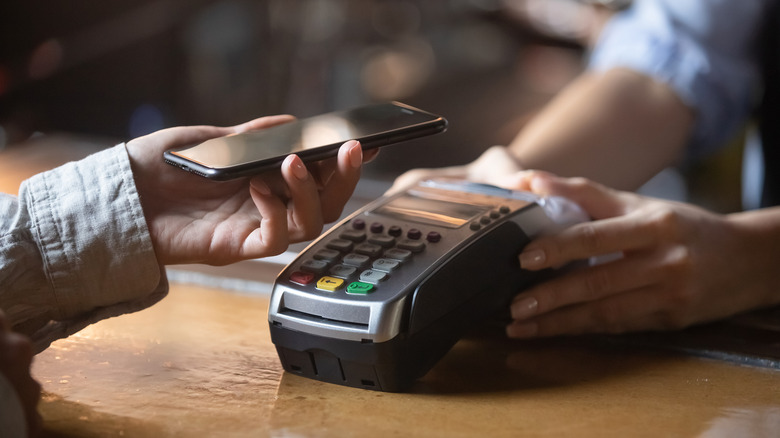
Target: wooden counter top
x: 201, y: 364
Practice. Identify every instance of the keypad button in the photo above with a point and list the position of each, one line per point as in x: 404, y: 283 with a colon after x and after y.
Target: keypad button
x: 385, y: 265
x: 414, y: 234
x: 474, y: 226
x: 411, y: 245
x: 328, y: 255
x: 360, y: 288
x: 433, y: 237
x: 302, y: 278
x: 356, y: 236
x: 377, y: 228
x: 353, y: 259
x: 342, y: 271
x: 383, y: 241
x: 484, y: 220
x: 395, y: 231
x: 494, y: 214
x: 398, y: 254
x: 342, y: 245
x: 358, y: 224
x: 329, y: 284
x: 316, y: 266
x: 372, y: 276
x: 369, y: 249
x: 504, y: 209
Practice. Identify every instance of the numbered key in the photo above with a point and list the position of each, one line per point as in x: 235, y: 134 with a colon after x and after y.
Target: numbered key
x: 373, y: 276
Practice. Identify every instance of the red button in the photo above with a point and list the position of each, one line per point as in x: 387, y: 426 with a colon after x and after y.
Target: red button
x: 302, y: 278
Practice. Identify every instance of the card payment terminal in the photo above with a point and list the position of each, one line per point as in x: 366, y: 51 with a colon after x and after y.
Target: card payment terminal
x: 377, y: 300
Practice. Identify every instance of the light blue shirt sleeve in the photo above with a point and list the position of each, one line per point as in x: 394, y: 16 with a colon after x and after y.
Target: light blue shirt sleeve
x: 75, y: 249
x: 705, y: 50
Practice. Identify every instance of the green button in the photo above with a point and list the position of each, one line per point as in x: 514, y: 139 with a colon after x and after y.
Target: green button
x: 360, y: 288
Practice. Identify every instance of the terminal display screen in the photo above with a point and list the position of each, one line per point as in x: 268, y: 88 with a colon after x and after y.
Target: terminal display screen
x: 431, y: 211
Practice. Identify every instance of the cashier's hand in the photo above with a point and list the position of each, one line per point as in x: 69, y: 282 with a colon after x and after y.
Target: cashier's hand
x: 681, y: 265
x: 495, y: 166
x: 16, y: 356
x: 195, y: 220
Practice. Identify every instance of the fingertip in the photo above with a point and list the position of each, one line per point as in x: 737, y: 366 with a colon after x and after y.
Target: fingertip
x: 19, y: 347
x: 263, y: 122
x: 295, y: 165
x: 524, y: 308
x: 533, y: 259
x: 354, y: 153
x: 541, y: 183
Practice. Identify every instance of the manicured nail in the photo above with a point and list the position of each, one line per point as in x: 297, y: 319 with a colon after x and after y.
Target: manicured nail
x: 522, y: 331
x: 532, y: 259
x: 260, y: 186
x: 297, y: 166
x: 355, y: 153
x: 539, y: 184
x: 524, y: 308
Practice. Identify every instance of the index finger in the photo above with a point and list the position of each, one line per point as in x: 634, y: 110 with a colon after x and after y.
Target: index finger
x: 184, y: 135
x: 586, y: 240
x: 335, y: 194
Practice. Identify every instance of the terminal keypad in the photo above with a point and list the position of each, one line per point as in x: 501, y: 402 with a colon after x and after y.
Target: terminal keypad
x: 359, y: 258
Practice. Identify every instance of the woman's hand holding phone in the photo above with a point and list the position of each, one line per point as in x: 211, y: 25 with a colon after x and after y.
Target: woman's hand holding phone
x: 195, y: 220
x: 312, y: 139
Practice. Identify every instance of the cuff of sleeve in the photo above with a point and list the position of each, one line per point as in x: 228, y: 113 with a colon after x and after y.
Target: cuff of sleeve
x: 95, y: 244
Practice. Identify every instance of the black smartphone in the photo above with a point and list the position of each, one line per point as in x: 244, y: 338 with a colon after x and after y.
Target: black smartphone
x: 312, y: 139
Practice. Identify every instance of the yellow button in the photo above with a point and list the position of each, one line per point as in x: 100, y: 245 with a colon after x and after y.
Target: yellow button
x: 329, y: 284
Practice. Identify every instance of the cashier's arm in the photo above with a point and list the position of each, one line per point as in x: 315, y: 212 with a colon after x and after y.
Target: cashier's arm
x: 620, y: 114
x: 681, y: 265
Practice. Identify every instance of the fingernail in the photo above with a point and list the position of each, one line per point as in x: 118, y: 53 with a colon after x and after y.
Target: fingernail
x: 297, y: 167
x: 260, y: 186
x: 355, y: 153
x: 539, y: 184
x: 522, y: 331
x: 524, y: 308
x: 532, y: 259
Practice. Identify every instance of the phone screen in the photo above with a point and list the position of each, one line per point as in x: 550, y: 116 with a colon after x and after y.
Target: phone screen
x: 312, y: 138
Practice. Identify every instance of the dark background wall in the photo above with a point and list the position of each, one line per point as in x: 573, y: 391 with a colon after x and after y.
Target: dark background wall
x: 123, y: 68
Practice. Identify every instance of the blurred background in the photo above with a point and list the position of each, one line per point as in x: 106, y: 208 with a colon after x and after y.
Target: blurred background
x: 97, y: 72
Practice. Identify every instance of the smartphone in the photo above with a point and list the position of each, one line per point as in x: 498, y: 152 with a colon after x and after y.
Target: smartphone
x: 312, y: 139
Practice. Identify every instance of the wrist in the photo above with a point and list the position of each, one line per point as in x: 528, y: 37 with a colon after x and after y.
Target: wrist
x: 759, y: 232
